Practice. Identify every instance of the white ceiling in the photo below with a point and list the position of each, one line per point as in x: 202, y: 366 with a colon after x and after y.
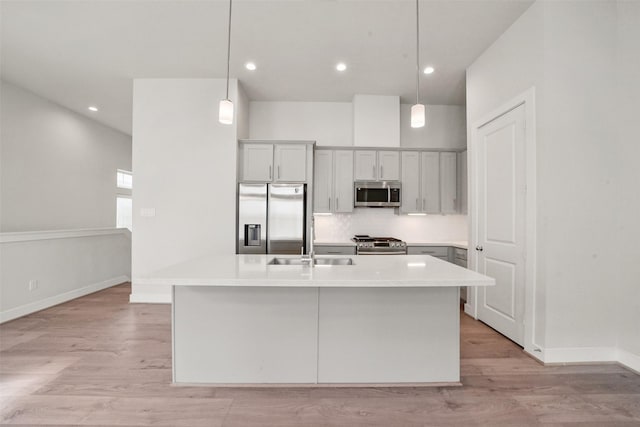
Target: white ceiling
x: 79, y: 53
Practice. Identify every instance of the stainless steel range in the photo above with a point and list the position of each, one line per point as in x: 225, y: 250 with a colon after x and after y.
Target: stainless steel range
x: 367, y: 245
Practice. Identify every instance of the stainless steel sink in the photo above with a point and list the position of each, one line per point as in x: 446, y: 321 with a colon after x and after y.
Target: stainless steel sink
x: 317, y: 261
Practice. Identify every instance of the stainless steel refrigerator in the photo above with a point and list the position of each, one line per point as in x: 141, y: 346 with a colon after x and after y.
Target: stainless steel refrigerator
x: 271, y: 218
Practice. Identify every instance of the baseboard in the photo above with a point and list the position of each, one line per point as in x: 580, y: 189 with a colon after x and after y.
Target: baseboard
x: 150, y: 298
x: 32, y: 307
x: 580, y: 355
x: 468, y: 310
x: 630, y: 360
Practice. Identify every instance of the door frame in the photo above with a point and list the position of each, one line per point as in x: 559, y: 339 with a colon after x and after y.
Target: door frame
x: 527, y: 99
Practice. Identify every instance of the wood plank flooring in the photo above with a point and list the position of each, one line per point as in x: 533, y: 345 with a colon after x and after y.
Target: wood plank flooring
x: 101, y: 361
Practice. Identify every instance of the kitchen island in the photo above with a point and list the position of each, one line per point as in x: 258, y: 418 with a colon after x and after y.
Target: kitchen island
x: 239, y: 319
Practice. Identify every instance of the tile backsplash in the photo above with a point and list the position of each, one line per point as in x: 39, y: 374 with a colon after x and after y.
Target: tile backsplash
x: 384, y: 222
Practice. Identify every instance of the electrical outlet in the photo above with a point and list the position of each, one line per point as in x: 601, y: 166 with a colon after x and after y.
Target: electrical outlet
x: 33, y: 285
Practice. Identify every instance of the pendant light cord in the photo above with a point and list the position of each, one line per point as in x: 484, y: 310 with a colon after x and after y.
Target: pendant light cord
x: 229, y: 48
x: 417, y: 53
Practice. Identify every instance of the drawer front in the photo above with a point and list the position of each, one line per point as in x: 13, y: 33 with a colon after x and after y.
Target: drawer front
x: 460, y: 254
x: 461, y: 263
x: 335, y: 250
x: 437, y: 251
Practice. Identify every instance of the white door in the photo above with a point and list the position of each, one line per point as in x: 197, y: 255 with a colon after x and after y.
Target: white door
x: 410, y: 182
x: 501, y: 175
x: 430, y: 181
x: 366, y: 164
x: 322, y: 180
x: 343, y: 184
x: 389, y: 164
x: 448, y: 183
x: 257, y: 162
x: 290, y: 163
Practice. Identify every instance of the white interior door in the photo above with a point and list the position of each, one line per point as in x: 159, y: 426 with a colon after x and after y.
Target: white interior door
x: 501, y: 183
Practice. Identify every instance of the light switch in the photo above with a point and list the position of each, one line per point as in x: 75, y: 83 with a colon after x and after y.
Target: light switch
x: 148, y: 212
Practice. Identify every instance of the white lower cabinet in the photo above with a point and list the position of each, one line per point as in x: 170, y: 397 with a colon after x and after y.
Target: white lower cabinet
x: 333, y: 181
x: 334, y: 250
x: 441, y: 252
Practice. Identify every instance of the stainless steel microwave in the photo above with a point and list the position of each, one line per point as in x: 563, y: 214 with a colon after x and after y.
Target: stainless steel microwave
x: 377, y: 194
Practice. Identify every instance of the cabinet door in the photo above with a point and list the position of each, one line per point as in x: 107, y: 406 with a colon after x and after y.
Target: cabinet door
x: 343, y: 181
x: 448, y: 182
x: 290, y: 163
x: 462, y: 183
x: 430, y: 182
x: 389, y: 165
x: 322, y: 180
x: 410, y: 182
x: 257, y: 162
x: 334, y: 250
x: 366, y: 165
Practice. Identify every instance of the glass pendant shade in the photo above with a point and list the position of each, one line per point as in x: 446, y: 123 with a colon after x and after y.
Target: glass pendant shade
x: 417, y: 116
x: 226, y: 112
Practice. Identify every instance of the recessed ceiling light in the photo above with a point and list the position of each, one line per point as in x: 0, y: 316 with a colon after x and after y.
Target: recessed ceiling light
x: 341, y: 66
x: 93, y: 108
x: 250, y: 66
x: 429, y: 70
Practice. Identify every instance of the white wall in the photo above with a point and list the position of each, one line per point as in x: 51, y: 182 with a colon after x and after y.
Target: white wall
x: 185, y: 169
x: 446, y: 127
x: 376, y: 121
x: 629, y: 178
x: 331, y: 124
x: 567, y: 50
x: 58, y: 168
x: 327, y: 123
x: 65, y: 264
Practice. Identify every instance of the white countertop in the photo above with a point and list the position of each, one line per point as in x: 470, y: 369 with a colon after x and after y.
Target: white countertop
x: 458, y: 244
x: 368, y: 271
x: 334, y: 243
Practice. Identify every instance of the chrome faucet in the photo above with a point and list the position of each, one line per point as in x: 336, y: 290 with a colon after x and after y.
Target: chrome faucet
x: 310, y: 257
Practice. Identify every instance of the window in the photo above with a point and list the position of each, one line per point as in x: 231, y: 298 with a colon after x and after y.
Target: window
x: 124, y: 212
x: 124, y: 179
x: 124, y: 203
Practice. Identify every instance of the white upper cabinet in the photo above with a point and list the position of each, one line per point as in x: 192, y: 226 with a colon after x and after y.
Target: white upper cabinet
x: 366, y: 165
x: 411, y: 198
x: 257, y: 162
x: 343, y: 181
x: 278, y: 163
x: 448, y: 183
x: 430, y: 182
x: 322, y: 180
x: 388, y: 165
x: 373, y: 165
x: 333, y: 181
x: 290, y: 163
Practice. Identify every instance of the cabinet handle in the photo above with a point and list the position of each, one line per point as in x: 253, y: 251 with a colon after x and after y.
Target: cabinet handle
x: 329, y: 202
x: 373, y: 169
x: 269, y: 173
x: 337, y: 203
x: 381, y: 172
x: 278, y: 171
x: 423, y: 204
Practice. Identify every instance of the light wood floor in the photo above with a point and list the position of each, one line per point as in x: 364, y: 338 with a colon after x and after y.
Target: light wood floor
x: 99, y: 360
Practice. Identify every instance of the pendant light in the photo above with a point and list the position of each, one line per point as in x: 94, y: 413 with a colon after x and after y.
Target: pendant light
x: 417, y: 110
x: 225, y: 114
